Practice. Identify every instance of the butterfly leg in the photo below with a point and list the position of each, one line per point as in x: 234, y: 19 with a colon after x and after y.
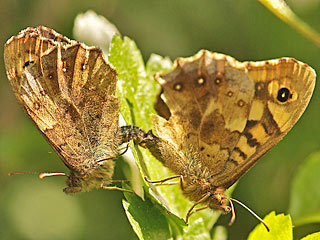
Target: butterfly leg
x: 198, y: 209
x: 127, y: 181
x: 166, y: 184
x: 115, y: 187
x: 160, y: 182
x: 201, y: 200
x: 112, y: 158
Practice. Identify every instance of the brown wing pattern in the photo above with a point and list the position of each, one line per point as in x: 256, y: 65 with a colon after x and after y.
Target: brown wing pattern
x: 68, y: 90
x: 225, y: 114
x: 283, y: 88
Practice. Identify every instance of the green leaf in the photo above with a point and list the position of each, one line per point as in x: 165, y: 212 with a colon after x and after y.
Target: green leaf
x: 137, y: 91
x: 280, y: 228
x: 220, y: 233
x: 128, y: 62
x: 147, y: 221
x: 197, y: 230
x: 313, y: 236
x: 283, y: 11
x: 304, y: 204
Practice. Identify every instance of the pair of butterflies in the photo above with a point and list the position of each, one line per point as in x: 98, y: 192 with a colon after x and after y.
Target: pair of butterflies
x: 217, y: 116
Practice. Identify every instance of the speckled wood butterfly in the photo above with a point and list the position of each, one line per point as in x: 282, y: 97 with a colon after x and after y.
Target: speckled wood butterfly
x: 219, y: 116
x: 68, y: 91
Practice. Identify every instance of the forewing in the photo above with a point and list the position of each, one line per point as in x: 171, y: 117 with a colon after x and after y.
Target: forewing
x: 282, y: 90
x: 227, y: 114
x: 67, y: 89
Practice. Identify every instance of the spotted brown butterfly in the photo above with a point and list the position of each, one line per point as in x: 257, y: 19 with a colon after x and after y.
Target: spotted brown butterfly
x: 218, y: 117
x: 68, y: 91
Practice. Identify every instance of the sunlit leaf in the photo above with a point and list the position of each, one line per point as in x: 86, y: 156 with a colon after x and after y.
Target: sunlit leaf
x: 280, y: 228
x: 220, y: 233
x: 197, y: 230
x: 313, y: 236
x: 304, y: 204
x: 147, y: 221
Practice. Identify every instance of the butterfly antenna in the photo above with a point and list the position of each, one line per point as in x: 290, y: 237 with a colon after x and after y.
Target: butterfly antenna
x: 46, y: 174
x: 111, y: 158
x: 16, y: 173
x: 41, y: 175
x: 248, y: 209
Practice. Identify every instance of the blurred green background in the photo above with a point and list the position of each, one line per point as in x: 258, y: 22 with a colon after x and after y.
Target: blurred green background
x: 244, y: 29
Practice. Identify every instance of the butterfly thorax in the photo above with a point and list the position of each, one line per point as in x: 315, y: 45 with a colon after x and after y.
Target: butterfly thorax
x: 90, y: 176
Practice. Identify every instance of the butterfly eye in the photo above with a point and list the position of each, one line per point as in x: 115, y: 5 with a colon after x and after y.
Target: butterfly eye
x: 283, y: 95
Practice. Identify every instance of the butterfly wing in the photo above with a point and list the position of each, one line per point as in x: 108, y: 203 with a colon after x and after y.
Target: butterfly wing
x: 225, y: 114
x: 67, y: 89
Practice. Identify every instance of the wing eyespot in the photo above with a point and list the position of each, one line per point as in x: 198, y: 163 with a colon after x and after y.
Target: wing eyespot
x: 241, y: 103
x: 177, y: 87
x: 217, y: 80
x: 200, y: 81
x: 284, y: 95
x: 219, y: 77
x: 229, y: 93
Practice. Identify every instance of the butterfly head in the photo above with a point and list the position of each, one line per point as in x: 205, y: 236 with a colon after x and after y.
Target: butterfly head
x: 90, y: 177
x: 203, y: 192
x: 218, y: 201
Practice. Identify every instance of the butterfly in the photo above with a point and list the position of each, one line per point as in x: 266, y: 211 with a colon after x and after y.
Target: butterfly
x: 68, y: 91
x: 218, y: 117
